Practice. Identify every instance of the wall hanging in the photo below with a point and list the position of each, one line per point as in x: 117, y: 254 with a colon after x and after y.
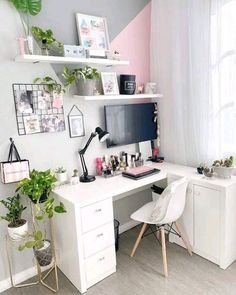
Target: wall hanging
x: 37, y: 110
x: 76, y: 122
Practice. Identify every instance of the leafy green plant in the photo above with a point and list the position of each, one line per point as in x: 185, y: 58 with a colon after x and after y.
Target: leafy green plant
x: 15, y: 210
x: 27, y: 8
x: 227, y: 162
x: 52, y: 85
x: 34, y: 240
x: 46, y: 38
x: 38, y: 188
x: 86, y: 73
x: 60, y: 170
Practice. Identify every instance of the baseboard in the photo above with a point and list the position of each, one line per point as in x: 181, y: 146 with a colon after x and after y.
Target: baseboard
x: 18, y: 278
x: 128, y: 225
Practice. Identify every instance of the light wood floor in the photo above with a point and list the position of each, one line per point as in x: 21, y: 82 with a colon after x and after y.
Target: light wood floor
x: 143, y: 274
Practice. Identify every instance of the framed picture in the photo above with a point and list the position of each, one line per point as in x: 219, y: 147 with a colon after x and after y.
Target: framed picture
x: 76, y: 122
x: 109, y: 83
x: 31, y: 124
x: 93, y: 34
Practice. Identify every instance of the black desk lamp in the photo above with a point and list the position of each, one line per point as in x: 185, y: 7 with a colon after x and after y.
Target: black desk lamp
x: 102, y: 136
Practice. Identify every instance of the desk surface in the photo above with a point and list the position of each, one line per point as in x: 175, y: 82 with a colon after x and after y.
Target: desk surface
x: 84, y: 194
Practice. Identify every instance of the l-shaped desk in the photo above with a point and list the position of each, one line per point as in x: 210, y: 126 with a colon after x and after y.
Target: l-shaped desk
x: 85, y: 234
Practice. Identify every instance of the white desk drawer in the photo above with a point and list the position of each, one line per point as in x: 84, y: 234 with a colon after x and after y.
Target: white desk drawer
x: 96, y: 214
x: 99, y: 264
x: 98, y: 239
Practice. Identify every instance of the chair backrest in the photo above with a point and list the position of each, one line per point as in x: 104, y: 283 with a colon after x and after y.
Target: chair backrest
x: 170, y: 206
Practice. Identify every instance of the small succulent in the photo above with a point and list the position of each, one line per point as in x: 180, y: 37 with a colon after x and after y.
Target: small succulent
x: 60, y: 170
x: 227, y: 162
x: 75, y: 173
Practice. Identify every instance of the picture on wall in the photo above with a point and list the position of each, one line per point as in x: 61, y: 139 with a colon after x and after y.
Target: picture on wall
x: 37, y: 109
x: 93, y: 34
x: 24, y: 101
x: 76, y: 122
x: 109, y: 83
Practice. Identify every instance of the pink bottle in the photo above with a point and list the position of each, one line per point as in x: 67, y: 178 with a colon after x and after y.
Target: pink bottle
x: 99, y: 166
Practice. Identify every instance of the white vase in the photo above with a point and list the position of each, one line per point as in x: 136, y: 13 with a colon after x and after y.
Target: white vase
x: 224, y: 172
x: 17, y: 233
x: 61, y: 177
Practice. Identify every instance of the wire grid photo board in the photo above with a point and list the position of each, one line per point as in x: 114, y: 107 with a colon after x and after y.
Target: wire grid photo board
x: 38, y: 110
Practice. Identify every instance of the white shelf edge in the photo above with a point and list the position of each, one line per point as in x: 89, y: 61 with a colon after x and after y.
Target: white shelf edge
x: 27, y: 58
x: 117, y: 97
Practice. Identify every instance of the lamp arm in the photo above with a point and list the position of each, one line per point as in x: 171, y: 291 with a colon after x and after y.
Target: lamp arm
x: 84, y: 167
x: 82, y: 152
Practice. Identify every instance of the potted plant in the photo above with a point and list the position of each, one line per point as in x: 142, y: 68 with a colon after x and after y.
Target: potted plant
x: 224, y: 168
x: 27, y: 8
x: 42, y: 247
x: 85, y: 79
x: 61, y: 174
x: 38, y: 188
x: 47, y: 40
x: 52, y: 85
x: 17, y: 227
x: 75, y: 177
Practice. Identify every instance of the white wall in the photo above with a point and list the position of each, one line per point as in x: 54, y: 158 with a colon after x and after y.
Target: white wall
x: 43, y: 150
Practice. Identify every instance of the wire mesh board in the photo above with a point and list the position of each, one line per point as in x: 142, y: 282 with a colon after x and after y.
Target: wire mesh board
x: 37, y: 110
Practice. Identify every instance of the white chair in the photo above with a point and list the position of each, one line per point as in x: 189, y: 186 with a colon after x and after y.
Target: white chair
x: 164, y: 213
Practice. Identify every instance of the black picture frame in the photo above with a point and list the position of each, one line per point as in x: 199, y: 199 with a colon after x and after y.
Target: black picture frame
x: 76, y: 122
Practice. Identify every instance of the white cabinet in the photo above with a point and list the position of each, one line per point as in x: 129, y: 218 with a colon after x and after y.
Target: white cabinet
x: 207, y: 217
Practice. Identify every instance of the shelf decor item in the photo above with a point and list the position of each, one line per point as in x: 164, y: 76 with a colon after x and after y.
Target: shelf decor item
x: 74, y: 51
x: 109, y: 83
x: 38, y: 109
x: 102, y: 136
x: 93, y: 34
x: 127, y: 84
x: 85, y: 79
x: 49, y: 45
x: 61, y: 175
x: 76, y: 122
x: 14, y: 170
x: 17, y: 226
x: 224, y: 168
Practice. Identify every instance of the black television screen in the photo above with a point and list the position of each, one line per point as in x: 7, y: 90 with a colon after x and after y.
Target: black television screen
x: 131, y: 123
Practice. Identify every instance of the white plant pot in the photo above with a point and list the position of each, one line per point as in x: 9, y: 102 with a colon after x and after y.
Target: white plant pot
x: 17, y: 233
x: 224, y: 172
x: 61, y: 177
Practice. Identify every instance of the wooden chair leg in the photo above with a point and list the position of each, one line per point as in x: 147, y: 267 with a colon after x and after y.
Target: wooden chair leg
x: 185, y: 241
x: 163, y: 245
x: 158, y: 234
x: 138, y: 239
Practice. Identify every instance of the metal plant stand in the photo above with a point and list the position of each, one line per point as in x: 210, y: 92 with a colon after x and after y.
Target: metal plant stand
x: 41, y: 276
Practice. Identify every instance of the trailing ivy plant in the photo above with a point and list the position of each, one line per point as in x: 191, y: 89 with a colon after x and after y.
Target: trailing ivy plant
x: 52, y: 85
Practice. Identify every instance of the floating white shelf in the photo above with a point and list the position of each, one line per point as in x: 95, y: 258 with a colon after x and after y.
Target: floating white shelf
x: 117, y: 97
x: 69, y: 60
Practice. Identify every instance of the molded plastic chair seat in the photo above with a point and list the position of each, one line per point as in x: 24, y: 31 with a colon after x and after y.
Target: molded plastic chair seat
x: 144, y: 213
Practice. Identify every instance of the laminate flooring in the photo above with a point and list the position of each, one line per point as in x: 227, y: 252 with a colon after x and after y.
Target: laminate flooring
x: 143, y: 274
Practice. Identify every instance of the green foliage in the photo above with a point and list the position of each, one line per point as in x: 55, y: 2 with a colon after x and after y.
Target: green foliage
x: 46, y: 38
x: 32, y: 7
x: 15, y: 209
x: 86, y: 73
x: 35, y: 240
x: 227, y: 162
x: 60, y: 170
x: 52, y: 84
x: 75, y: 173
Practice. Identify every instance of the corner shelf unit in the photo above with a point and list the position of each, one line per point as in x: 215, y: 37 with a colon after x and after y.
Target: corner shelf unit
x: 117, y: 97
x: 27, y: 58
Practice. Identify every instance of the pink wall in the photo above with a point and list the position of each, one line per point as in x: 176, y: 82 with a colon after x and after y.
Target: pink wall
x: 133, y: 43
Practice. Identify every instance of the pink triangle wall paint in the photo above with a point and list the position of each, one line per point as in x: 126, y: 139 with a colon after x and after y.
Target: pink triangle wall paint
x: 133, y: 43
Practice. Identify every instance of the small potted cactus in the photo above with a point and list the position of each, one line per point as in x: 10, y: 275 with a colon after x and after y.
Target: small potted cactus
x: 224, y: 168
x: 61, y: 175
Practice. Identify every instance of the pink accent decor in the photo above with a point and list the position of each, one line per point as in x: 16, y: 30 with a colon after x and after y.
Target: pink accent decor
x: 133, y: 43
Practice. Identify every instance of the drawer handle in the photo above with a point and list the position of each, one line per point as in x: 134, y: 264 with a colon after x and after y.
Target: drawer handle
x: 98, y: 210
x: 100, y: 235
x: 101, y: 259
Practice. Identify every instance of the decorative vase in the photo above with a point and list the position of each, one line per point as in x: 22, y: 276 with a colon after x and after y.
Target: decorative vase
x: 44, y: 51
x: 44, y: 254
x: 17, y: 233
x: 86, y: 87
x: 224, y: 172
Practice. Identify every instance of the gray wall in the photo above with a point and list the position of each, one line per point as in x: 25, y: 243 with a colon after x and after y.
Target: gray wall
x: 56, y: 149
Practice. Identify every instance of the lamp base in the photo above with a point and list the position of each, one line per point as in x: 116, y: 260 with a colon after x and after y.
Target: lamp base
x: 87, y: 178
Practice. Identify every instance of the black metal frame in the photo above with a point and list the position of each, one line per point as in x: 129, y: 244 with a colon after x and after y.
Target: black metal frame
x: 80, y: 114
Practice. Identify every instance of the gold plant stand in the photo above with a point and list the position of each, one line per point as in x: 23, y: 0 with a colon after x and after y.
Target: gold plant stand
x: 41, y: 277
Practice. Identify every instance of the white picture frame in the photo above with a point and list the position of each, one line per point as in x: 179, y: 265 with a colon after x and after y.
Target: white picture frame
x: 93, y: 34
x: 109, y: 83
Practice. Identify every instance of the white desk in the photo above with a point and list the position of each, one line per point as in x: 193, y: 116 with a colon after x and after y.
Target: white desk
x: 85, y: 235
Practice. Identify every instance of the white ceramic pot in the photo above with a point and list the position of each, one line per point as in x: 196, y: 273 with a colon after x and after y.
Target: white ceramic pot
x: 17, y: 233
x: 224, y: 172
x: 61, y: 177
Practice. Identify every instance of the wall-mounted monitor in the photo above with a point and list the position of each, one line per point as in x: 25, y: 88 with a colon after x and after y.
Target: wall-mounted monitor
x: 131, y: 123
